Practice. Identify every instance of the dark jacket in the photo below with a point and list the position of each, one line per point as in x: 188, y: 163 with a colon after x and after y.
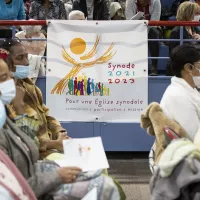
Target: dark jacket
x: 101, y: 9
x: 175, y: 34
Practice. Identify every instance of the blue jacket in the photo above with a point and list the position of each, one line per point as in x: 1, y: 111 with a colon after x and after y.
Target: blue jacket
x: 13, y: 11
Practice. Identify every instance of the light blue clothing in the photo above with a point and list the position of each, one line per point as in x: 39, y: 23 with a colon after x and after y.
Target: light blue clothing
x: 4, y: 194
x: 13, y: 11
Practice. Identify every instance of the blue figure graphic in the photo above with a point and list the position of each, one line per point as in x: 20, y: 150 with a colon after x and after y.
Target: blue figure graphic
x: 79, y: 87
x: 88, y: 87
x: 93, y: 86
x: 72, y: 85
x: 97, y: 88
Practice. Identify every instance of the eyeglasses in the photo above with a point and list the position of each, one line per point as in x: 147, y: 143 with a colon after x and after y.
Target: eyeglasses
x: 196, y: 67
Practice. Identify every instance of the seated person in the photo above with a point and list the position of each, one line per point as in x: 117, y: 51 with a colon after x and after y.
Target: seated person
x: 181, y: 100
x: 116, y: 12
x: 13, y: 186
x: 51, y: 133
x: 45, y: 177
x: 32, y: 47
x: 152, y: 11
x: 186, y: 12
x: 76, y: 15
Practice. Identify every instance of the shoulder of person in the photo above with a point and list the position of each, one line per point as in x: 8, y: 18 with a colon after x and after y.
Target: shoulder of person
x: 174, y: 94
x: 20, y: 34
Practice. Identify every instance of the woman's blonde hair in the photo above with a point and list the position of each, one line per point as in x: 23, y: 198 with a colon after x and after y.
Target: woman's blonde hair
x: 186, y: 11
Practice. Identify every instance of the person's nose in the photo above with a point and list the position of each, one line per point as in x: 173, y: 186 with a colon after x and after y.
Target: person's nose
x: 26, y: 61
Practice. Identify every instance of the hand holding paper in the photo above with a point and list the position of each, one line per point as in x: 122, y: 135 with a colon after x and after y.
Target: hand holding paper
x: 87, y: 153
x: 138, y: 16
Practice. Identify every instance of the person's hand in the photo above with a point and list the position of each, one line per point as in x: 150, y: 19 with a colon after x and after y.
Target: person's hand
x: 68, y: 174
x: 196, y: 36
x: 18, y: 101
x: 59, y: 142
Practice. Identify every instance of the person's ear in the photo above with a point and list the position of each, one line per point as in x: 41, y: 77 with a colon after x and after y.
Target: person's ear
x: 188, y: 67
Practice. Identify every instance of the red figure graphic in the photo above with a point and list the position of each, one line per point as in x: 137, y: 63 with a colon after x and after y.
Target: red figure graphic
x: 82, y: 87
x: 99, y: 86
x: 75, y: 86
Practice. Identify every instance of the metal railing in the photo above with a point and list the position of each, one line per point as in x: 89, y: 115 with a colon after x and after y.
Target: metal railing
x: 150, y: 23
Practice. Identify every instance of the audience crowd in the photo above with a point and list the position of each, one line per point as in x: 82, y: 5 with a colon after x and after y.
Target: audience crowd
x: 29, y: 136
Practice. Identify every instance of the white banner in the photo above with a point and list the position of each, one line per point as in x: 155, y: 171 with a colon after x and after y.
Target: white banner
x: 97, y: 71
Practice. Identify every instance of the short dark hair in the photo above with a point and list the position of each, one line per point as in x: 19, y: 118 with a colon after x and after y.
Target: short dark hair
x: 8, y: 44
x: 181, y: 55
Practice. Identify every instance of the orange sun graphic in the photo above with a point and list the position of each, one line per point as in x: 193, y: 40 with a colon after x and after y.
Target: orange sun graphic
x: 77, y: 46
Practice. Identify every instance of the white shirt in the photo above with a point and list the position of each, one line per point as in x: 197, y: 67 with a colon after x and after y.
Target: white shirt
x: 154, y: 9
x: 178, y: 105
x: 90, y: 9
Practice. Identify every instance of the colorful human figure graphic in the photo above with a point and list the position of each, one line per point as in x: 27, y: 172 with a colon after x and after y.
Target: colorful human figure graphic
x: 97, y: 89
x: 75, y: 86
x: 82, y: 87
x: 101, y: 93
x: 88, y: 86
x: 85, y: 85
x: 104, y: 91
x: 93, y: 87
x: 70, y: 87
x: 79, y: 88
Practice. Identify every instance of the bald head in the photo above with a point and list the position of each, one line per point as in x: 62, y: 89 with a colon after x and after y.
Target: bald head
x: 4, y: 71
x: 76, y: 15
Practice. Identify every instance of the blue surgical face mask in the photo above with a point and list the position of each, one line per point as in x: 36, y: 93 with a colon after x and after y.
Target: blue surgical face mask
x: 2, y: 115
x: 22, y: 72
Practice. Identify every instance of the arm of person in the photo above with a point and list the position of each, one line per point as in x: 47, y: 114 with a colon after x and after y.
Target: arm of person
x: 33, y: 11
x: 106, y: 11
x: 63, y: 12
x: 21, y: 14
x: 53, y: 124
x: 184, y: 112
x: 130, y: 9
x: 175, y: 34
x: 44, y: 182
x: 156, y: 11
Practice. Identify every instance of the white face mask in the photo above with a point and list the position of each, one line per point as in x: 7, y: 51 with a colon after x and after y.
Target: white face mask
x: 196, y: 18
x: 2, y: 115
x: 8, y: 91
x: 196, y: 80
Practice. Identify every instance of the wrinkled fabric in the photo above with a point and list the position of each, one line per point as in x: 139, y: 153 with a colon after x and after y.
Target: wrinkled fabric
x: 36, y: 109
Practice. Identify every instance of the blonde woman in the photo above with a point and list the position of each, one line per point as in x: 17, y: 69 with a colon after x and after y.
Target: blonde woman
x: 187, y: 11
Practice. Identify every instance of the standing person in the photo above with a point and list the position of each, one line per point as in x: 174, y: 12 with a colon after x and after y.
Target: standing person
x: 152, y: 11
x: 93, y: 9
x: 46, y: 10
x: 12, y: 10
